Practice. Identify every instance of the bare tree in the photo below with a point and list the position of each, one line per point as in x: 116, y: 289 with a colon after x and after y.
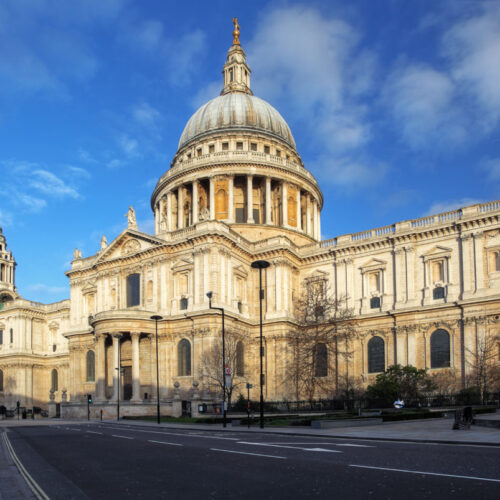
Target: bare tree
x: 485, y: 373
x: 323, y: 334
x: 211, y: 363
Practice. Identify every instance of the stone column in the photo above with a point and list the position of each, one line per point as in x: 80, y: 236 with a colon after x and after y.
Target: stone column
x: 308, y: 214
x: 157, y: 218
x: 268, y: 200
x: 212, y: 199
x: 180, y: 209
x: 314, y: 219
x: 116, y: 360
x: 299, y: 212
x: 169, y: 211
x: 318, y: 223
x: 196, y: 209
x: 231, y: 198
x: 136, y: 380
x: 284, y: 203
x: 100, y: 371
x: 250, y: 199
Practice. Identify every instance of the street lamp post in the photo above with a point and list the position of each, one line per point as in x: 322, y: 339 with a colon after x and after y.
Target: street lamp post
x: 224, y: 413
x: 261, y: 264
x: 156, y: 319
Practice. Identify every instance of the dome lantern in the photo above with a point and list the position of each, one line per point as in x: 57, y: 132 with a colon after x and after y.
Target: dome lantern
x: 236, y: 72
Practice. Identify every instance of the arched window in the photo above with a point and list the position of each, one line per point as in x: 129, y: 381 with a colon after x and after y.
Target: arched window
x: 376, y: 355
x: 1, y: 380
x: 133, y: 290
x: 184, y: 303
x: 240, y: 359
x: 320, y: 360
x: 184, y: 358
x: 11, y: 335
x: 54, y: 382
x: 90, y: 366
x: 440, y: 349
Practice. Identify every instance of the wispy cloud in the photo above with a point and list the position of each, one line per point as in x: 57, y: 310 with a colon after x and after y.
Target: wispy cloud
x: 447, y: 206
x: 5, y: 218
x: 42, y: 289
x: 145, y: 114
x: 128, y: 145
x: 48, y: 183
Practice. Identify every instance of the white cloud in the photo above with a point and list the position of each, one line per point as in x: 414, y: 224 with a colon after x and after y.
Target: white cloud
x: 420, y: 100
x: 472, y: 47
x: 5, y: 218
x: 46, y: 289
x: 128, y: 145
x: 48, y: 183
x: 115, y: 163
x: 492, y: 168
x: 146, y: 115
x: 448, y: 206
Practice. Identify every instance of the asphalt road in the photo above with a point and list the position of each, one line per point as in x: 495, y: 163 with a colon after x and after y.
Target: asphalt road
x: 107, y: 461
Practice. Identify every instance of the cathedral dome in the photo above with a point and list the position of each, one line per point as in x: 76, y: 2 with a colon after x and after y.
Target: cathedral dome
x: 240, y: 111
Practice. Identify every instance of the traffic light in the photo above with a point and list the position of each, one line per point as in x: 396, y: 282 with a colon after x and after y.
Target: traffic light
x: 89, y: 399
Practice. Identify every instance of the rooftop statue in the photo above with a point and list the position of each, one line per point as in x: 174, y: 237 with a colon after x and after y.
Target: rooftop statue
x: 131, y: 220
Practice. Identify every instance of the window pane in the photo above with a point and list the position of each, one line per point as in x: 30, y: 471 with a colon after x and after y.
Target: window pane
x: 376, y: 355
x: 440, y: 349
x: 240, y: 359
x: 321, y: 361
x: 90, y: 366
x: 240, y: 214
x: 184, y: 358
x: 133, y: 290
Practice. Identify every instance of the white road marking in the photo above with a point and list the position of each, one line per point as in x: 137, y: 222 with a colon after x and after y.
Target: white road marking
x: 426, y: 473
x: 327, y: 444
x: 94, y: 432
x: 164, y: 442
x: 354, y: 445
x: 172, y: 433
x: 246, y: 453
x: 124, y: 437
x: 289, y: 447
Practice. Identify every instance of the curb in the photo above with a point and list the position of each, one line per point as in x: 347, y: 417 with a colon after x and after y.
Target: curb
x: 358, y: 438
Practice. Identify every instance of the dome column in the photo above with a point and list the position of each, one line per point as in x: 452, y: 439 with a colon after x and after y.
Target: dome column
x: 268, y: 200
x: 212, y: 199
x: 157, y: 218
x: 231, y: 198
x: 250, y: 199
x: 169, y: 211
x: 180, y: 208
x: 315, y: 218
x: 284, y: 203
x: 299, y: 218
x: 308, y: 214
x: 196, y: 209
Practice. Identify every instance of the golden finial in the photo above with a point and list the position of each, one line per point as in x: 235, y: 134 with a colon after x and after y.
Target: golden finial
x: 236, y: 32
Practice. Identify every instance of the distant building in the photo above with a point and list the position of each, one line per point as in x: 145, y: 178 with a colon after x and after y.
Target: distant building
x: 423, y: 291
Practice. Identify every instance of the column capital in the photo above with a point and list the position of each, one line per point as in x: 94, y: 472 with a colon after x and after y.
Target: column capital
x: 135, y: 334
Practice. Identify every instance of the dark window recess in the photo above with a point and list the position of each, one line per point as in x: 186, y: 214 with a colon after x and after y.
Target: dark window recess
x: 11, y: 335
x: 375, y: 303
x: 240, y: 359
x: 54, y: 347
x: 239, y: 146
x: 54, y: 381
x: 321, y: 360
x: 225, y: 146
x: 1, y: 380
x: 211, y: 148
x: 184, y: 304
x: 184, y: 358
x: 438, y: 292
x: 440, y: 349
x: 240, y: 214
x: 253, y: 146
x: 256, y: 215
x: 376, y: 355
x: 133, y: 290
x: 240, y: 307
x: 267, y: 150
x: 1, y: 337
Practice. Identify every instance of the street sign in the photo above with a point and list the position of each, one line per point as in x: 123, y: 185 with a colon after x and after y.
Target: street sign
x: 249, y: 386
x: 228, y: 381
x: 228, y: 370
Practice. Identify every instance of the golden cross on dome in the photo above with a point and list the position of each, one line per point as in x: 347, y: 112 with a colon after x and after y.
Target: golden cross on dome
x: 236, y: 32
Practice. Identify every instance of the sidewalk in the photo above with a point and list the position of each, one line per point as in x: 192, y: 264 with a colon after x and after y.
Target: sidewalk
x: 437, y: 430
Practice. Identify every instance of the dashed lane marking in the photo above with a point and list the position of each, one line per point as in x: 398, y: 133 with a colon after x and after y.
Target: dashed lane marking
x: 94, y: 432
x: 289, y: 447
x: 246, y: 453
x: 123, y: 437
x: 326, y: 444
x: 171, y: 433
x: 164, y: 442
x: 426, y: 473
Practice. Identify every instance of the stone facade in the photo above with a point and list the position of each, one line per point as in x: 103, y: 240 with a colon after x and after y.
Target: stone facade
x: 237, y: 191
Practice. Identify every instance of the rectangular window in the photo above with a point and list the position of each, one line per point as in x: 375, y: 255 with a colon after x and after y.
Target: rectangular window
x: 225, y: 146
x: 375, y: 303
x: 211, y: 148
x: 133, y: 290
x: 184, y: 304
x: 1, y: 337
x: 267, y: 150
x: 240, y: 214
x: 278, y: 153
x: 198, y: 152
x: 188, y: 156
x: 239, y: 146
x: 256, y: 215
x: 11, y: 336
x: 253, y: 146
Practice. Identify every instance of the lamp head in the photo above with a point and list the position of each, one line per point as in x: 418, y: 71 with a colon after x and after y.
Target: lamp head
x: 156, y: 317
x: 209, y: 295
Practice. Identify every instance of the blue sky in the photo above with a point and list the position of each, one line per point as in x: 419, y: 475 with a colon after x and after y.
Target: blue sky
x: 394, y: 106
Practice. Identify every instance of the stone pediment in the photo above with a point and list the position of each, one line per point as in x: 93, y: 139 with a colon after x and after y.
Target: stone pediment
x: 373, y: 264
x: 317, y: 275
x: 436, y: 252
x: 182, y: 264
x: 128, y: 243
x: 89, y: 287
x: 240, y: 271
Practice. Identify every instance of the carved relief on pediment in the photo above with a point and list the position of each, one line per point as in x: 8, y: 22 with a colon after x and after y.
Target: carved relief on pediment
x: 131, y: 246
